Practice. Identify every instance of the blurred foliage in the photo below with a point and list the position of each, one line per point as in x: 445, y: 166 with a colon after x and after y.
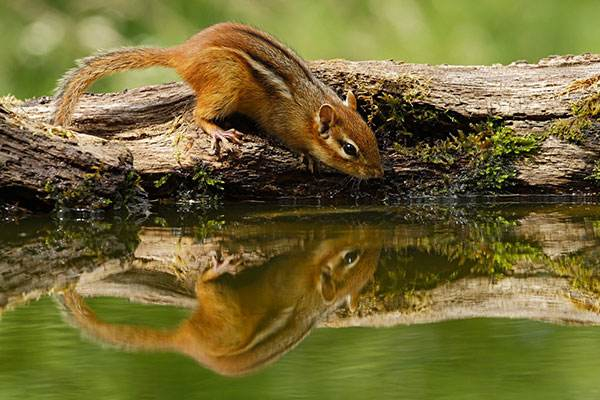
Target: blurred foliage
x: 42, y: 38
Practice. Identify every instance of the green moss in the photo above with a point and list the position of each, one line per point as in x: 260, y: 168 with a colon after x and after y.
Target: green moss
x: 413, y: 87
x: 585, y: 113
x: 206, y: 228
x: 493, y: 168
x: 131, y: 195
x: 88, y: 195
x: 48, y: 187
x: 405, y: 119
x: 82, y: 194
x: 178, y: 135
x: 389, y: 114
x: 94, y: 176
x: 161, y: 181
x: 595, y: 175
x: 132, y: 179
x: 570, y: 129
x: 445, y: 153
x: 506, y: 144
x: 582, y: 272
x: 479, y: 161
x: 588, y: 107
x: 197, y: 190
x: 58, y: 131
x: 206, y: 181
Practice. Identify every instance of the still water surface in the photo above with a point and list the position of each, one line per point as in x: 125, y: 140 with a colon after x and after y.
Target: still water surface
x: 417, y: 302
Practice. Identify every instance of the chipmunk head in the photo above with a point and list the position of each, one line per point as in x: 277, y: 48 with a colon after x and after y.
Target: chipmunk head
x: 346, y: 141
x: 335, y: 272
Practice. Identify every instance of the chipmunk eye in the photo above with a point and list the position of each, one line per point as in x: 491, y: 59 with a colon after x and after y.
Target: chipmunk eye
x: 350, y: 257
x: 349, y: 149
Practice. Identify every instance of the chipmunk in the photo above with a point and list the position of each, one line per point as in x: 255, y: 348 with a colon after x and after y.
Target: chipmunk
x: 236, y: 69
x: 244, y: 322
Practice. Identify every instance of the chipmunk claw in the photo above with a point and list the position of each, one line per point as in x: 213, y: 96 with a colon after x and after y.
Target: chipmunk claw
x: 228, y: 265
x: 312, y: 164
x: 220, y: 136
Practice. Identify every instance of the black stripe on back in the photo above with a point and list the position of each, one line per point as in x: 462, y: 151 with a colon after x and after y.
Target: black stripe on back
x: 270, y: 41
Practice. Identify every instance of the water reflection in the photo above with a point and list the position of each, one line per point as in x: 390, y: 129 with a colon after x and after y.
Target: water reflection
x: 259, y: 280
x: 246, y: 319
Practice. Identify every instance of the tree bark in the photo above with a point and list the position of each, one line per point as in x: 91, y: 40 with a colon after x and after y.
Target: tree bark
x: 441, y: 129
x: 42, y: 165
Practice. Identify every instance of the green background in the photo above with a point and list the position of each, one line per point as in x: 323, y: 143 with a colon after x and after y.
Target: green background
x: 42, y: 38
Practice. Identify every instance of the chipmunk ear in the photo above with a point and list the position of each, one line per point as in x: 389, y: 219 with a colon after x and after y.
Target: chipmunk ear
x: 326, y: 119
x: 327, y: 285
x: 350, y: 100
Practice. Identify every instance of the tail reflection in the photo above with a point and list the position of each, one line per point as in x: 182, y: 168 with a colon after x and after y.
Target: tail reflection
x: 247, y: 321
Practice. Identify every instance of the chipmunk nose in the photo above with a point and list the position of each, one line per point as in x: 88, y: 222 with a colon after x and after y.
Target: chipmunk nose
x: 371, y: 172
x: 377, y: 172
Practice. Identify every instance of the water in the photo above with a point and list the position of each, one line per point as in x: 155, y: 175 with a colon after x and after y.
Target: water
x: 424, y: 301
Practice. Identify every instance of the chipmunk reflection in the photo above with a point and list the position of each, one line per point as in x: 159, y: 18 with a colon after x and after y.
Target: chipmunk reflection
x: 247, y: 321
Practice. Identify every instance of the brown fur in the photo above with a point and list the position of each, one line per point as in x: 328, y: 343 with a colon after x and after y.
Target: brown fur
x: 89, y: 69
x: 245, y: 322
x: 234, y: 68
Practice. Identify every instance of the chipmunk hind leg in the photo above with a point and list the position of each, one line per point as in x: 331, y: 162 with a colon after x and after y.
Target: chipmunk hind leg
x: 222, y: 85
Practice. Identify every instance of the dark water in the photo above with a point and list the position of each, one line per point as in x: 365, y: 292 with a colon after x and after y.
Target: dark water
x: 455, y: 301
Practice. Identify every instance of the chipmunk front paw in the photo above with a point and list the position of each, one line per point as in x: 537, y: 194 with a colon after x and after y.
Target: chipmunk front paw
x: 231, y: 264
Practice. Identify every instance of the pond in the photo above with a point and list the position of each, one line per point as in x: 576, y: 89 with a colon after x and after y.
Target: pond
x: 418, y: 301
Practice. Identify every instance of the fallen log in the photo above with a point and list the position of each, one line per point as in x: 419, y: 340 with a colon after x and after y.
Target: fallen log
x: 520, y: 128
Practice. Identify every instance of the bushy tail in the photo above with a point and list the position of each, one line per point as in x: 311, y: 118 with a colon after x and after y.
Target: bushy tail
x: 78, y: 314
x: 89, y: 69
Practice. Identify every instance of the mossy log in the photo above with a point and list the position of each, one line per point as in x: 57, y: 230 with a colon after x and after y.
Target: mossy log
x: 518, y: 128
